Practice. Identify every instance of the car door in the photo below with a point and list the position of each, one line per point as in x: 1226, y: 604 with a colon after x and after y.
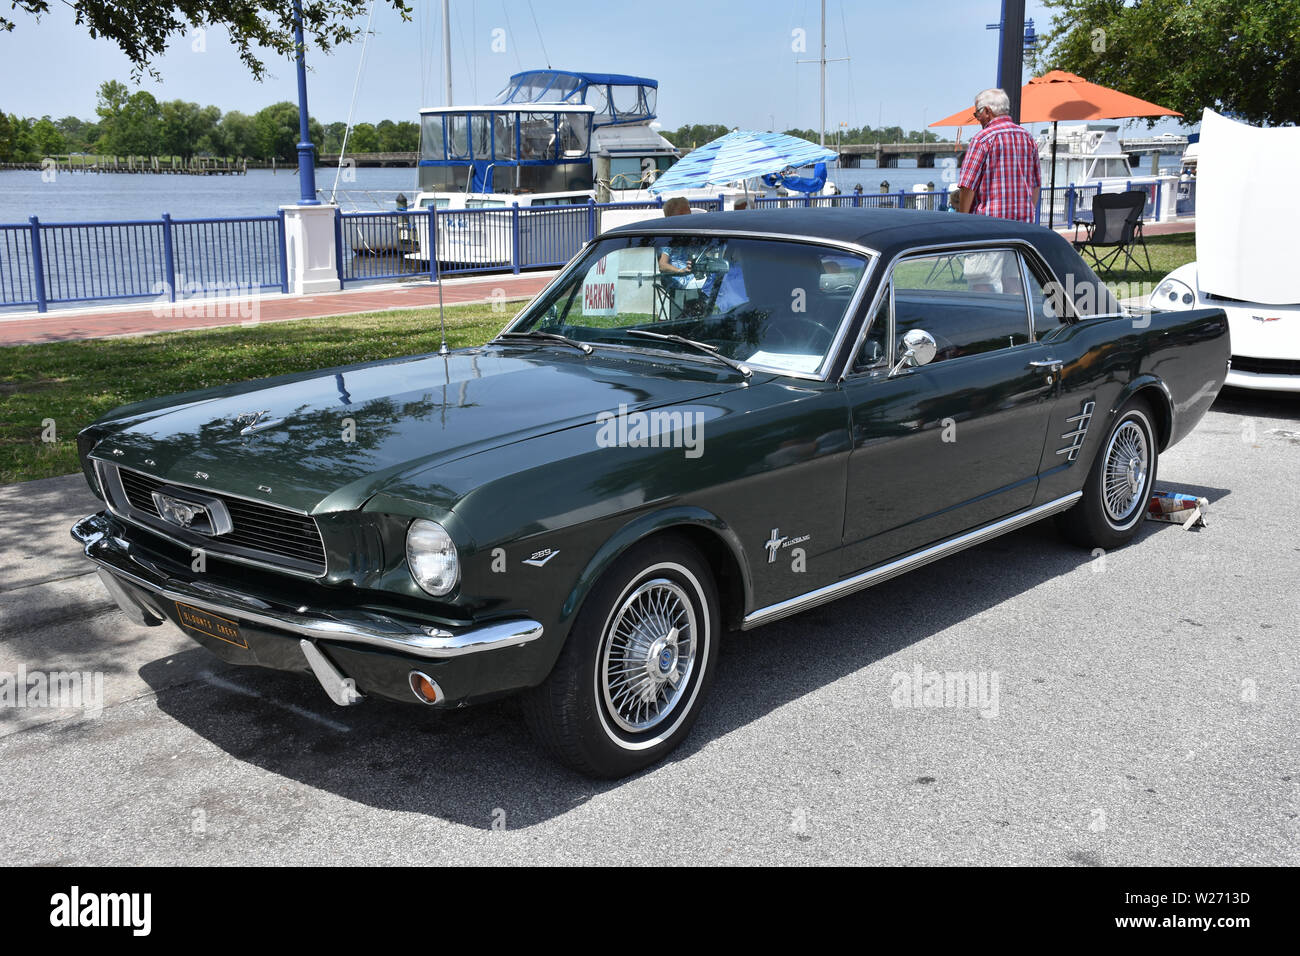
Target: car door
x: 945, y: 447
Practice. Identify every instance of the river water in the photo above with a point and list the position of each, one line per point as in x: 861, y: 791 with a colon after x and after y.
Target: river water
x: 101, y: 197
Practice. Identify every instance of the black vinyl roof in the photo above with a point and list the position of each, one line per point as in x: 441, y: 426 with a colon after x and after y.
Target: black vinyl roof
x: 890, y: 232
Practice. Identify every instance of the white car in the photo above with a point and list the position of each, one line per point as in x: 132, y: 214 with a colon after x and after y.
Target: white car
x: 1265, y: 338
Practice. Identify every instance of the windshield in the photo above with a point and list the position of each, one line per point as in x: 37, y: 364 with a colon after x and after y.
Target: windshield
x: 765, y: 302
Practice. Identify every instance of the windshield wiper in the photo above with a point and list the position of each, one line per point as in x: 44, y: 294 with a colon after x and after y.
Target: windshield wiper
x: 709, y: 350
x: 582, y: 347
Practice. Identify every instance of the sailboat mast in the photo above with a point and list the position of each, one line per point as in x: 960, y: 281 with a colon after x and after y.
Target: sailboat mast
x: 823, y: 77
x: 446, y: 48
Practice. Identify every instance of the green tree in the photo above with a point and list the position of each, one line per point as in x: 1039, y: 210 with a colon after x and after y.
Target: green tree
x: 697, y: 135
x: 22, y: 146
x: 363, y: 139
x: 47, y: 139
x: 143, y: 28
x: 1234, y: 56
x: 137, y: 128
x: 6, y: 139
x: 235, y: 135
x: 333, y: 141
x: 182, y: 127
x: 408, y: 137
x: 78, y: 134
x: 277, y: 131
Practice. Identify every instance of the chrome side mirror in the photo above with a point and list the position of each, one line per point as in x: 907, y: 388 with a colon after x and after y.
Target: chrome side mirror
x: 919, y: 349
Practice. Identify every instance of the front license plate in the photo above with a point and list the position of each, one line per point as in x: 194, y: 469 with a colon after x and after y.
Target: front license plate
x: 209, y: 625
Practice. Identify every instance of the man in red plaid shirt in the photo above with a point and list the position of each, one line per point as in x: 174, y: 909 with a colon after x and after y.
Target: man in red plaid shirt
x: 1000, y: 176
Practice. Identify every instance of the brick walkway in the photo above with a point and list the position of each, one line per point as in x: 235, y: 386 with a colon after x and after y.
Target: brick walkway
x: 114, y: 321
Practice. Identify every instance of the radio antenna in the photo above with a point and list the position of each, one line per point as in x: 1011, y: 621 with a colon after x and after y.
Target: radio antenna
x: 437, y: 271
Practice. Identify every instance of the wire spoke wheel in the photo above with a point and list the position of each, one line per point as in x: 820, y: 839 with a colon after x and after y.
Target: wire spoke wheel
x: 648, y: 655
x: 1124, y: 478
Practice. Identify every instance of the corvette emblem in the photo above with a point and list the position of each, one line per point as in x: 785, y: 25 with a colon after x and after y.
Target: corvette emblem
x: 1266, y: 318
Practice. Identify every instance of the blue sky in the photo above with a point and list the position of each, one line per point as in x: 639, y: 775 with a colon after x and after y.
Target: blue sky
x: 716, y: 62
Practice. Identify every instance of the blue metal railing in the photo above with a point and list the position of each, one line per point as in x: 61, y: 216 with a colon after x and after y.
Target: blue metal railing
x: 936, y: 200
x: 370, y: 245
x: 64, y: 262
x: 44, y: 263
x: 1074, y: 203
x: 16, y: 272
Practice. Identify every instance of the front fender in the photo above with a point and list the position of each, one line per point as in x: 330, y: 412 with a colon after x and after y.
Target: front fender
x: 642, y: 527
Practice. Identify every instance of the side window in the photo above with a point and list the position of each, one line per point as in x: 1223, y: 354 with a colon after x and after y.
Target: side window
x: 875, y: 347
x: 1047, y: 309
x: 971, y: 302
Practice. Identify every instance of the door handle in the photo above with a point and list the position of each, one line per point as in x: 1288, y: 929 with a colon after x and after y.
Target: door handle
x: 1053, y: 364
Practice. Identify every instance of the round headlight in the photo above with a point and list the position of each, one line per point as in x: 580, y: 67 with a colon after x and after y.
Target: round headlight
x: 1173, y: 295
x: 431, y: 555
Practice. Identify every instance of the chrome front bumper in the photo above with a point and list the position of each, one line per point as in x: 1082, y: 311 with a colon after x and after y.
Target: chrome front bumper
x: 118, y: 564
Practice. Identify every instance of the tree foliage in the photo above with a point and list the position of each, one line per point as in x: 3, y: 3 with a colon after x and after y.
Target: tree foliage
x: 688, y: 137
x: 1235, y: 56
x: 277, y: 131
x: 143, y: 28
x: 138, y: 125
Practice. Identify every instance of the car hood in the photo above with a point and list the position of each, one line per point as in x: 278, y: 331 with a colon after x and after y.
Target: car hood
x: 327, y: 441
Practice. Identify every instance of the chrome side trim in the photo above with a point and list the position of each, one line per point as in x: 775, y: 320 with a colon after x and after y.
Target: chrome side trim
x: 1076, y: 436
x: 884, y: 572
x: 113, y: 555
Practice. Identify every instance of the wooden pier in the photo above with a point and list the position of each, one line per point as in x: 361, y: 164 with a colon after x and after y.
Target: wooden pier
x: 153, y: 165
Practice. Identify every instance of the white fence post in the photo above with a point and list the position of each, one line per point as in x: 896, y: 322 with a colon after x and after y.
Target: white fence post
x: 309, y: 249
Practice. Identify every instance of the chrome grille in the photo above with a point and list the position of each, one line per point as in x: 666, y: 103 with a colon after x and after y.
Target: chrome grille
x: 277, y: 535
x: 1265, y: 366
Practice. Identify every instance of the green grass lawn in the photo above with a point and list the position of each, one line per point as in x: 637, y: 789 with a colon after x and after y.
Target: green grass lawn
x: 73, y: 383
x: 1167, y: 254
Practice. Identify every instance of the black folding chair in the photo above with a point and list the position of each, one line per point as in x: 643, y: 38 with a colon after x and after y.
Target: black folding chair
x: 1116, y: 226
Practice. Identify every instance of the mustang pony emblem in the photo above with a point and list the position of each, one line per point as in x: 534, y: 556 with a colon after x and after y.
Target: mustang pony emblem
x: 193, y: 512
x: 252, y: 422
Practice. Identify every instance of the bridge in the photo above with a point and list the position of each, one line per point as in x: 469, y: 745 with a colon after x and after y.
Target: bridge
x: 1154, y: 144
x: 886, y: 154
x: 370, y: 159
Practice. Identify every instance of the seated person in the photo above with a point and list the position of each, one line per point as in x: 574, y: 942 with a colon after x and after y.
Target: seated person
x: 676, y: 262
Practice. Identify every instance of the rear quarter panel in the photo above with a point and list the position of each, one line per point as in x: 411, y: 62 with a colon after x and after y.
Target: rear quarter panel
x: 1176, y: 360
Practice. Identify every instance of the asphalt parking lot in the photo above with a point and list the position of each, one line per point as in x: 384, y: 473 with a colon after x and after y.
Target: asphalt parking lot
x: 1145, y: 713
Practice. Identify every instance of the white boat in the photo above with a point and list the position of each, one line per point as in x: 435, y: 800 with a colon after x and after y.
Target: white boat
x: 372, y: 235
x: 1088, y: 156
x: 550, y: 138
x: 1186, y: 204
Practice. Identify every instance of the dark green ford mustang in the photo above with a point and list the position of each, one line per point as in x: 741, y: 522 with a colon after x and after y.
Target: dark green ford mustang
x: 704, y: 423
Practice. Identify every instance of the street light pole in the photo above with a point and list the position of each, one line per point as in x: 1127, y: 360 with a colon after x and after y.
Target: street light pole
x: 306, y: 152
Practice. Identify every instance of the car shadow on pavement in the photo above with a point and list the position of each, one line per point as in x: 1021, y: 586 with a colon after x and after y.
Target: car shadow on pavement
x: 1252, y: 402
x: 467, y: 766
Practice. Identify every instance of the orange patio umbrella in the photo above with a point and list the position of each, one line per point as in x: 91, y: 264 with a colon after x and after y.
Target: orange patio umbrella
x: 1057, y: 96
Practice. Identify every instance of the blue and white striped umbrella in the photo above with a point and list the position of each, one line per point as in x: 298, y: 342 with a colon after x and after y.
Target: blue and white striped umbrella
x: 739, y: 156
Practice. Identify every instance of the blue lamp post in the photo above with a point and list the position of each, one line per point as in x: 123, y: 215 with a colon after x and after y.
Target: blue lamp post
x: 306, y: 152
x: 1010, y: 53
